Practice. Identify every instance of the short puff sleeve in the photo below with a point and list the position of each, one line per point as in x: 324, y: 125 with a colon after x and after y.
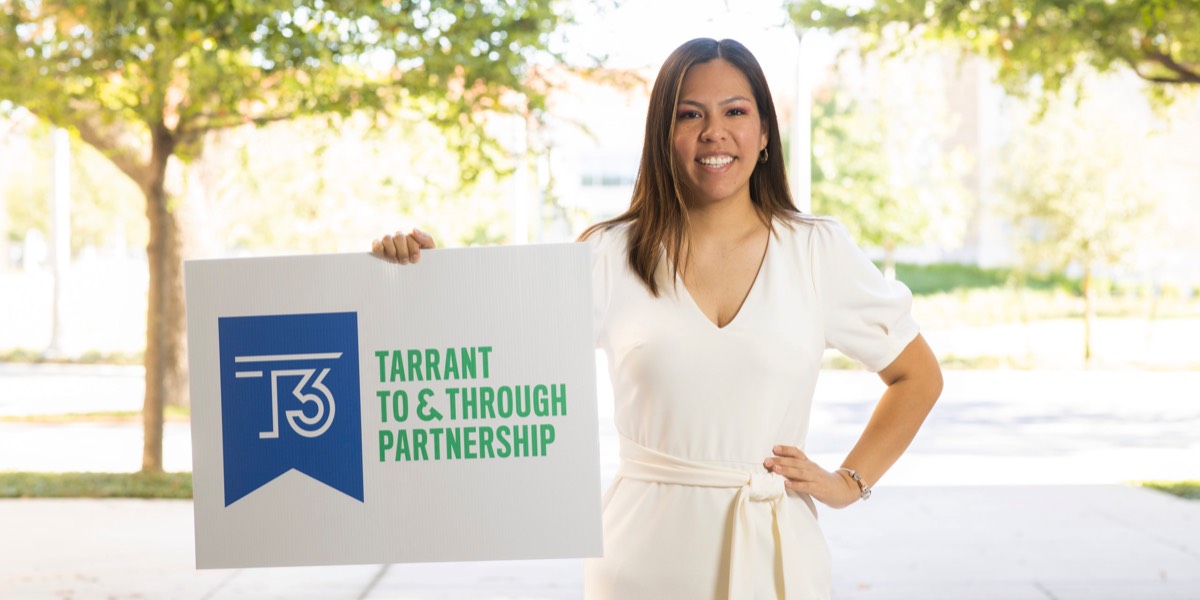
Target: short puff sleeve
x: 865, y: 316
x: 601, y: 243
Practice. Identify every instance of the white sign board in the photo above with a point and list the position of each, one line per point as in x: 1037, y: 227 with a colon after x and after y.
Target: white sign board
x: 349, y: 410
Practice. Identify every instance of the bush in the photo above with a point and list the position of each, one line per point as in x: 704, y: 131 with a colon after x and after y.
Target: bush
x: 936, y: 278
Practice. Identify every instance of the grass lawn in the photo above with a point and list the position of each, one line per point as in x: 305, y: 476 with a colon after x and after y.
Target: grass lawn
x: 946, y: 296
x: 17, y: 484
x: 170, y: 413
x: 1183, y: 489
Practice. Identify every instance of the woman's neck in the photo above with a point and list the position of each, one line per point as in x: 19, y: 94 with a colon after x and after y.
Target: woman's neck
x: 722, y: 222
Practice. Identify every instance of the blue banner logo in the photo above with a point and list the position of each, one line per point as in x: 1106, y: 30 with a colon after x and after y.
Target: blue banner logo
x: 290, y: 400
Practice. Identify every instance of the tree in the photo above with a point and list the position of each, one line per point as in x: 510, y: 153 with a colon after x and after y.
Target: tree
x: 143, y: 82
x: 880, y: 157
x: 1087, y: 209
x: 1159, y: 40
x: 327, y: 189
x: 106, y: 212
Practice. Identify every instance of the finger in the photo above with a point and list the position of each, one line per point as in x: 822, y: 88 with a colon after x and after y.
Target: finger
x: 786, y: 461
x: 389, y: 247
x: 424, y: 239
x: 802, y: 472
x: 790, y: 464
x: 377, y: 248
x: 414, y: 248
x: 789, y: 451
x: 400, y: 242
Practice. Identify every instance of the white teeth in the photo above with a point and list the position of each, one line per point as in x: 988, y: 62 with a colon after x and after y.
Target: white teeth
x: 716, y: 161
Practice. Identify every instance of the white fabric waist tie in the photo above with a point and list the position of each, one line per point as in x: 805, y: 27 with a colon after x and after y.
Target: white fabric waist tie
x: 643, y: 464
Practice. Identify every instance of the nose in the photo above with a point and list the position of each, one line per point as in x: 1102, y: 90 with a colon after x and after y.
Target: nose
x: 714, y: 130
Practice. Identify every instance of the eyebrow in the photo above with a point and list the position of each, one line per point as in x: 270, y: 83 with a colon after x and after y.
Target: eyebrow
x: 721, y: 103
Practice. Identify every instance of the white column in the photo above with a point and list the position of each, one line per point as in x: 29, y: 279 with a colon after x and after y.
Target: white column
x: 800, y: 159
x: 520, y: 187
x: 60, y: 232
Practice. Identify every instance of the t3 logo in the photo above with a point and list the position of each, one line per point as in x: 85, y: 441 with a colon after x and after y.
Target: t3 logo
x: 290, y: 400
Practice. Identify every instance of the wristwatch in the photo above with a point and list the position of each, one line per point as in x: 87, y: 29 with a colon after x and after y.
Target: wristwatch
x: 864, y: 490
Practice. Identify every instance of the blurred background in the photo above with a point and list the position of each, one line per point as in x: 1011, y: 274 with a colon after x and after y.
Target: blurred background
x: 1031, y: 172
x: 1034, y: 177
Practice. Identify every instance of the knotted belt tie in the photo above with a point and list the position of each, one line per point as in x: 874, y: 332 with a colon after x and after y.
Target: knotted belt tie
x: 643, y: 464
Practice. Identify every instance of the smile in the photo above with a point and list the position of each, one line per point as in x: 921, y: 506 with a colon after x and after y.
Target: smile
x: 715, y: 161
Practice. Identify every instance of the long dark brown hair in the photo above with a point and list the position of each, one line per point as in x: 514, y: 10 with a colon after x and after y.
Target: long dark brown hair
x: 657, y: 212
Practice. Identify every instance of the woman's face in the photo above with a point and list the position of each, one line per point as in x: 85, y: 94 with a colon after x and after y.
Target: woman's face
x: 718, y: 134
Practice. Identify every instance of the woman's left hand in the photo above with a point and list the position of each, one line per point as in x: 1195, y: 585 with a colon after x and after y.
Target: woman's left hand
x: 834, y: 489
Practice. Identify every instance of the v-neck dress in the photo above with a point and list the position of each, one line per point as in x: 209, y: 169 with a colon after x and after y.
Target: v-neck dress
x: 691, y: 512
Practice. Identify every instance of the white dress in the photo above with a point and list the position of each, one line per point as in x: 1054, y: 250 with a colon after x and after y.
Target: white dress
x: 691, y: 512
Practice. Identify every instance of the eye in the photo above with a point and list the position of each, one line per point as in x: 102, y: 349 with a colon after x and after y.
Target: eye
x: 687, y: 114
x: 737, y: 112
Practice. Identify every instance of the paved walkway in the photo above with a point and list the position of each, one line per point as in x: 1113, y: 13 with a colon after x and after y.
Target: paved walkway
x: 1062, y: 525
x: 918, y: 543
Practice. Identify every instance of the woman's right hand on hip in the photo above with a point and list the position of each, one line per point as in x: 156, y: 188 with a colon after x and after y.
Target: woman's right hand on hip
x: 401, y: 247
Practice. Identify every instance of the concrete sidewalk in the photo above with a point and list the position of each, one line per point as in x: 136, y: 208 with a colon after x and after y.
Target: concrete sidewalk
x: 911, y: 543
x: 989, y: 428
x: 1013, y: 490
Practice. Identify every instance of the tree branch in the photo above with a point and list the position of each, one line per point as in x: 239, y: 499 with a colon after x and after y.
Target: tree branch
x: 126, y: 149
x: 201, y: 123
x: 1186, y: 73
x: 1158, y: 79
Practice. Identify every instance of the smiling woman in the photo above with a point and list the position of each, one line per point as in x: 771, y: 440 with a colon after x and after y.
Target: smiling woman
x: 714, y: 299
x: 718, y: 135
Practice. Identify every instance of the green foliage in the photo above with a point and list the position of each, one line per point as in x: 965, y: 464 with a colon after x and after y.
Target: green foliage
x: 948, y: 277
x: 25, y: 198
x: 938, y: 278
x: 880, y: 162
x: 306, y: 186
x: 849, y: 169
x: 1184, y: 489
x: 107, y: 210
x: 144, y: 82
x: 1088, y: 208
x: 26, y: 355
x: 1033, y: 41
x: 17, y: 484
x: 172, y: 413
x: 123, y: 70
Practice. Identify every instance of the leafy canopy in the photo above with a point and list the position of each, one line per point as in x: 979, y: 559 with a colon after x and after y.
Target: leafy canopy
x: 881, y: 155
x: 1036, y: 40
x: 197, y: 65
x: 1092, y: 208
x: 145, y: 80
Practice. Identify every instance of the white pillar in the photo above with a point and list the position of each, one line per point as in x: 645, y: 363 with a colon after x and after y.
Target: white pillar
x: 5, y: 160
x: 800, y: 159
x: 60, y: 234
x: 520, y: 188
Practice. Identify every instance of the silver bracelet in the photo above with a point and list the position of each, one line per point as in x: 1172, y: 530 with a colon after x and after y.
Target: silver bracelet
x: 864, y: 490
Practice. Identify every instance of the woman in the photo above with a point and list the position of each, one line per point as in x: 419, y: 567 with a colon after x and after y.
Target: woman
x: 714, y: 300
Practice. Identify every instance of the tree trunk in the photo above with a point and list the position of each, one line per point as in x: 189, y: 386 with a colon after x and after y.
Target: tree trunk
x: 1089, y: 315
x: 166, y: 352
x: 889, y: 261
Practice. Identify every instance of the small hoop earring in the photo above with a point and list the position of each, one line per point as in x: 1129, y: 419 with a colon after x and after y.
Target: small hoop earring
x: 763, y: 155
